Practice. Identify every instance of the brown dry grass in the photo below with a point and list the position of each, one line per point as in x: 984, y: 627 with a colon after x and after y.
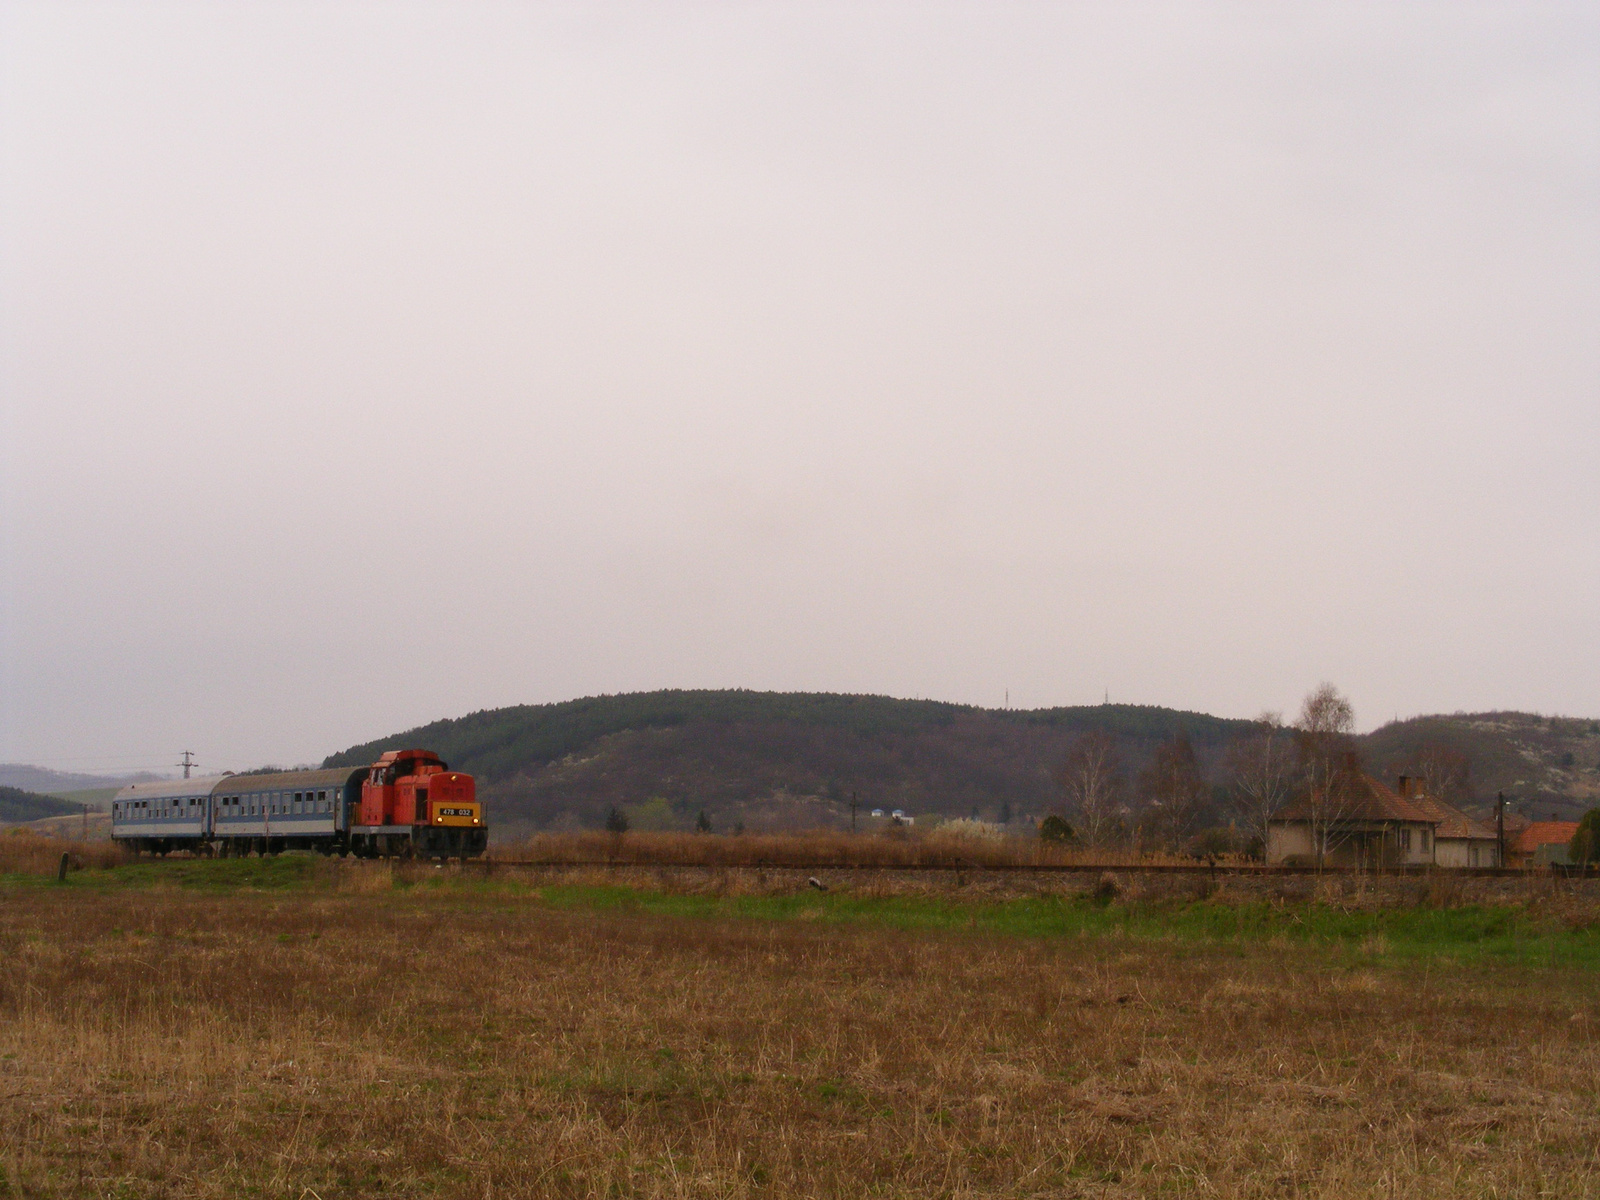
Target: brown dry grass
x: 899, y: 848
x: 24, y: 852
x: 372, y: 1042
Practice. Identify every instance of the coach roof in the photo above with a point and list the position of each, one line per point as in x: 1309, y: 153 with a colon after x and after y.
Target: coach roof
x: 168, y: 789
x: 286, y: 781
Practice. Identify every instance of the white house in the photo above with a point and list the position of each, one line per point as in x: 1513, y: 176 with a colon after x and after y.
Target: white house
x: 1370, y: 828
x: 1458, y: 840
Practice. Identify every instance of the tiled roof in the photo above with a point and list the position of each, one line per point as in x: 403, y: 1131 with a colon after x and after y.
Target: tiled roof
x: 1372, y: 802
x: 1453, y: 823
x: 1544, y: 833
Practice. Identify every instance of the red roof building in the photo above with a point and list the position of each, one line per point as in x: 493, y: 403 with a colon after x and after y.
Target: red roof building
x: 1540, y: 843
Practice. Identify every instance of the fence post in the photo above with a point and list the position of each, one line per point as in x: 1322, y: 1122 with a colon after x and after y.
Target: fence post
x: 61, y: 871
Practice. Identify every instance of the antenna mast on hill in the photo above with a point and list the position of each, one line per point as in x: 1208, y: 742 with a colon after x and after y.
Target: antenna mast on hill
x: 188, y: 761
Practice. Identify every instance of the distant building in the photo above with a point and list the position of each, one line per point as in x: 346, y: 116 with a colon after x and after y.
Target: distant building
x: 1384, y: 827
x: 1458, y: 840
x: 1541, y: 843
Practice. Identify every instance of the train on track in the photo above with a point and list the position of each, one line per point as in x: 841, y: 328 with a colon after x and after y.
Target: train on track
x: 408, y: 804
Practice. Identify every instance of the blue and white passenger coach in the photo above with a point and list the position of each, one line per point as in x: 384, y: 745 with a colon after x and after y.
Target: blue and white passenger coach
x: 168, y: 815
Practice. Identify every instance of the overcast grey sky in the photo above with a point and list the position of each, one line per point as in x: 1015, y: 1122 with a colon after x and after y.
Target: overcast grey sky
x: 369, y: 363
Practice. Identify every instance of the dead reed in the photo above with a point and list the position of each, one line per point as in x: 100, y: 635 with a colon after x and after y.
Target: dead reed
x: 825, y: 847
x: 418, y: 1042
x: 24, y: 852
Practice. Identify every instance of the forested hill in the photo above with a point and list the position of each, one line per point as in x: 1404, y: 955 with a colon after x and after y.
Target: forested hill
x: 17, y: 805
x: 767, y: 758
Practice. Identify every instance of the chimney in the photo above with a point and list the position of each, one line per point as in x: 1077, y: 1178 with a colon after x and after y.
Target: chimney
x: 1405, y: 786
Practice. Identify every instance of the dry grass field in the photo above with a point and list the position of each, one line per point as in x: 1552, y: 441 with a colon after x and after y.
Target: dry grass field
x: 913, y: 847
x: 301, y: 1028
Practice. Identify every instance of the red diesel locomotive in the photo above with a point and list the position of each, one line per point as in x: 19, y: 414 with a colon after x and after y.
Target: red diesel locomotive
x: 412, y: 803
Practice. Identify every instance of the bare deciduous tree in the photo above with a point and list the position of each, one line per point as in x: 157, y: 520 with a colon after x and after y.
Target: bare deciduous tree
x: 1446, y: 774
x: 1091, y: 777
x: 1262, y: 770
x: 1329, y: 763
x: 1173, y: 791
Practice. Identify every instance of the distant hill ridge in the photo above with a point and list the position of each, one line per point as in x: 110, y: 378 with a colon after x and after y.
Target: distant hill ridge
x: 775, y: 757
x: 46, y: 782
x: 501, y: 741
x: 770, y: 759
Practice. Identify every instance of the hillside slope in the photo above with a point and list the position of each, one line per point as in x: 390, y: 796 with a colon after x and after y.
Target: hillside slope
x: 45, y: 782
x: 767, y: 759
x: 1550, y: 766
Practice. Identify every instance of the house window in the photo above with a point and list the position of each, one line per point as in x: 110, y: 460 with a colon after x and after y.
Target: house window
x: 1405, y: 840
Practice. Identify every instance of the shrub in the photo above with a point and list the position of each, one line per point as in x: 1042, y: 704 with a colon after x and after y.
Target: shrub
x: 1585, y: 844
x: 1055, y: 829
x: 1214, y: 842
x: 616, y: 820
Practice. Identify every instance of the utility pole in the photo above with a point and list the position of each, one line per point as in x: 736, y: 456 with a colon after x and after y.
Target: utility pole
x: 1500, y: 825
x: 86, y: 822
x: 188, y: 761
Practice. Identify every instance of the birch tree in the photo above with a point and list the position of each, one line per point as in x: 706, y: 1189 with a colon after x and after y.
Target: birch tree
x: 1091, y: 777
x: 1261, y: 769
x: 1329, y: 763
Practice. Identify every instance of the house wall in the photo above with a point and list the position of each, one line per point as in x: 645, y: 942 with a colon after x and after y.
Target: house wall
x: 1551, y: 852
x: 1289, y: 839
x: 1365, y: 846
x: 1422, y: 848
x: 1457, y: 852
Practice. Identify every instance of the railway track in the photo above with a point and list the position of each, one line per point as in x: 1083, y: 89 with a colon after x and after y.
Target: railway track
x: 975, y: 868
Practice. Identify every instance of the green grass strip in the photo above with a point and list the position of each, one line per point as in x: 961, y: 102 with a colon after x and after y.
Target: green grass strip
x: 1470, y: 933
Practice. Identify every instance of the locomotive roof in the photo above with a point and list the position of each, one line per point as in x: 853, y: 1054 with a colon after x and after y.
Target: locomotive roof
x: 166, y: 789
x: 393, y: 756
x: 281, y: 781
